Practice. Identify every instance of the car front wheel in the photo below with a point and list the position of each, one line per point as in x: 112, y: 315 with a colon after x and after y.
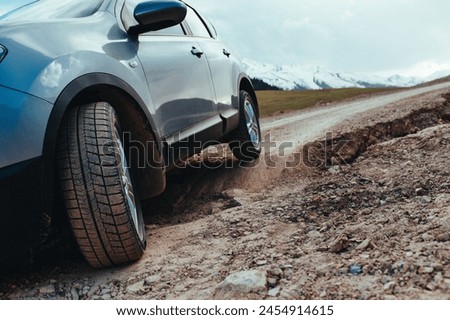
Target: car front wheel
x: 246, y: 138
x: 98, y: 188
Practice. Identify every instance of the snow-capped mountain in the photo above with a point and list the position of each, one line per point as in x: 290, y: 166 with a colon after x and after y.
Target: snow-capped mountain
x: 296, y: 77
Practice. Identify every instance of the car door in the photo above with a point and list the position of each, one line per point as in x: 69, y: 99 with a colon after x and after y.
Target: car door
x: 224, y: 69
x: 178, y: 78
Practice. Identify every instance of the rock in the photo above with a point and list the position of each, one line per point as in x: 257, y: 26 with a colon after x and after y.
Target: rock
x: 420, y: 192
x: 252, y: 281
x: 366, y: 269
x: 447, y: 283
x: 443, y: 237
x: 426, y: 270
x: 314, y: 234
x: 272, y: 282
x: 340, y: 244
x: 261, y: 263
x: 274, y: 292
x: 447, y: 274
x: 106, y: 297
x: 288, y: 273
x: 390, y: 286
x: 50, y: 289
x: 276, y: 272
x: 286, y: 266
x: 152, y: 279
x: 426, y: 200
x: 356, y: 269
x: 136, y: 288
x: 74, y: 294
x: 364, y: 245
x: 334, y: 170
x: 427, y: 237
x: 438, y: 278
x: 293, y: 294
x: 163, y: 286
x: 105, y: 291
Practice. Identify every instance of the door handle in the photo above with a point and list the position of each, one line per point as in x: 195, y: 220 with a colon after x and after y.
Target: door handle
x: 225, y: 52
x: 197, y: 52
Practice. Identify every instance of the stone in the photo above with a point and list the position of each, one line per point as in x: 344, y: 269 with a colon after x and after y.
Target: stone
x: 288, y: 273
x: 427, y: 237
x: 136, y: 288
x: 364, y: 245
x: 340, y: 244
x: 426, y: 200
x: 286, y: 266
x: 366, y: 269
x: 252, y: 281
x: 426, y: 270
x: 314, y: 234
x: 74, y: 294
x: 356, y: 269
x: 334, y: 170
x: 152, y: 279
x: 420, y: 192
x: 390, y: 286
x: 273, y: 293
x: 293, y: 294
x: 272, y: 282
x: 276, y: 272
x: 50, y: 289
x: 105, y: 291
x: 261, y: 263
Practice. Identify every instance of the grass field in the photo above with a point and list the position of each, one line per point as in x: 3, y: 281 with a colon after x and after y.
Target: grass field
x: 271, y: 102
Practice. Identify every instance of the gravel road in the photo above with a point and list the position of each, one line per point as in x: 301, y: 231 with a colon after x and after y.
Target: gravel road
x: 369, y: 219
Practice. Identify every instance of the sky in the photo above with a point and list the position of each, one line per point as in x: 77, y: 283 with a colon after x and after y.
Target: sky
x: 408, y: 37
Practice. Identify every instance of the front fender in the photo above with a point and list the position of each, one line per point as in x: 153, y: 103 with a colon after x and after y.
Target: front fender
x: 57, y: 75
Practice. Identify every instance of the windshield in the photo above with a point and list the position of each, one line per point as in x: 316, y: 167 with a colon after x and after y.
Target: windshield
x: 23, y: 10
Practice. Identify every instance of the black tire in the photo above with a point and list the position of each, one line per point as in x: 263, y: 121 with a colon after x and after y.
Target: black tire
x: 105, y: 217
x: 245, y: 140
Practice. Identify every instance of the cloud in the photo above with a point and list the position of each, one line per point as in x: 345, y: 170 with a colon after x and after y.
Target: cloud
x: 347, y: 15
x: 346, y: 35
x: 290, y: 23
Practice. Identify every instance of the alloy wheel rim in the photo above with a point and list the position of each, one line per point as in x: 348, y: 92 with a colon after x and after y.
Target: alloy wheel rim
x: 252, y: 124
x: 125, y: 179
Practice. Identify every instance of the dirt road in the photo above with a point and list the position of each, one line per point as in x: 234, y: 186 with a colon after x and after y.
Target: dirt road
x: 363, y: 212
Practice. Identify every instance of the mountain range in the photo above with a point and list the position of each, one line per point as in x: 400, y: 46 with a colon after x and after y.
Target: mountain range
x: 297, y: 77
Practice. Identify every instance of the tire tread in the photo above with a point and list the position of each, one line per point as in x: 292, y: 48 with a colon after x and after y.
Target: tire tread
x: 94, y: 196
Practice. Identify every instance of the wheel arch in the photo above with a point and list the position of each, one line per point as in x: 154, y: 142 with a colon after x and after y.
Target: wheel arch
x: 246, y: 84
x: 134, y: 118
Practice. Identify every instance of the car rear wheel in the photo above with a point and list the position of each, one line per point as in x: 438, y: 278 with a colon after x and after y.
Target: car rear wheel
x: 246, y: 139
x: 98, y: 188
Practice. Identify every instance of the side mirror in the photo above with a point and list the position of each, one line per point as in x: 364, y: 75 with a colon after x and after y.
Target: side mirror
x: 153, y: 16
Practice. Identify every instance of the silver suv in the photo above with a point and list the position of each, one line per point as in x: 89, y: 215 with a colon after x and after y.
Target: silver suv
x: 98, y: 100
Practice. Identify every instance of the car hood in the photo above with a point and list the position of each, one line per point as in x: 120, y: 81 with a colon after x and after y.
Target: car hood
x: 42, y: 10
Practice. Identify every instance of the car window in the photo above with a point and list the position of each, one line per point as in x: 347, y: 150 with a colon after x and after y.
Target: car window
x: 171, y: 31
x: 196, y: 25
x: 212, y: 29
